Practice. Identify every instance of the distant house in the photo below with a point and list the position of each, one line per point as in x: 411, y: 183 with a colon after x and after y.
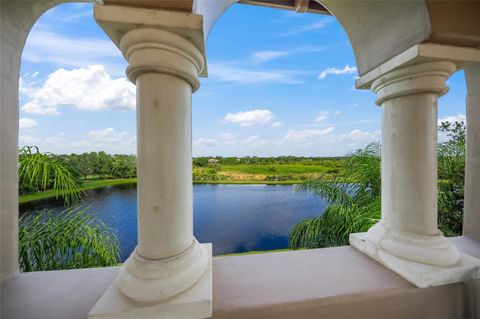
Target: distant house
x: 212, y: 161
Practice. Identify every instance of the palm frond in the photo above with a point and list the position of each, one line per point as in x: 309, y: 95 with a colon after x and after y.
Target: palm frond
x: 71, y: 239
x: 40, y: 171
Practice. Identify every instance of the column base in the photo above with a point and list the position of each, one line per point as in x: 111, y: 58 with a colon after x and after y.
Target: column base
x: 419, y: 274
x: 194, y: 303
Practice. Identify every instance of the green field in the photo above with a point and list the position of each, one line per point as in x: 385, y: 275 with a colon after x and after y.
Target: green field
x: 267, y: 173
x: 282, y: 169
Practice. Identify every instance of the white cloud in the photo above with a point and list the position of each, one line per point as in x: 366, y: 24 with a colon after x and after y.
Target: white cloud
x: 321, y: 116
x: 109, y: 140
x: 278, y: 124
x: 34, y: 108
x: 28, y: 140
x: 225, y: 72
x: 346, y: 70
x: 305, y: 134
x: 256, y: 141
x: 359, y: 135
x: 68, y: 14
x: 205, y: 142
x: 45, y: 46
x: 265, y: 56
x: 453, y: 118
x: 319, y: 25
x: 227, y: 136
x: 107, y: 135
x: 90, y: 88
x: 27, y: 123
x: 250, y: 118
x: 55, y: 144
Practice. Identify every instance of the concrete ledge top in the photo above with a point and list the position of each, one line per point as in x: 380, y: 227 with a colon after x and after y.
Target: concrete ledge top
x: 297, y: 276
x: 334, y: 283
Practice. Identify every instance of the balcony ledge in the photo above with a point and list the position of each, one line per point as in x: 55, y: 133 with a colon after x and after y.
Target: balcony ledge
x: 328, y: 283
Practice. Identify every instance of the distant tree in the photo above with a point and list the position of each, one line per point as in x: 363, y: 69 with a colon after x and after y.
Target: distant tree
x: 200, y: 161
x: 123, y: 166
x: 451, y: 175
x: 229, y: 161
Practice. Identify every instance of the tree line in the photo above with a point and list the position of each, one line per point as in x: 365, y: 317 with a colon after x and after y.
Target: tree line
x: 206, y: 161
x: 100, y: 165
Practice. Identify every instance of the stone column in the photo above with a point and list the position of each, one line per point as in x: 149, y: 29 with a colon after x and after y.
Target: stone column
x: 408, y: 228
x: 407, y: 239
x: 168, y: 259
x: 169, y: 274
x: 471, y: 219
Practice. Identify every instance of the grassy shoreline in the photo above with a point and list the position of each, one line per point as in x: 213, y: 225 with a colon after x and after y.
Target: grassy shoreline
x: 293, y: 182
x: 85, y: 186
x: 113, y: 182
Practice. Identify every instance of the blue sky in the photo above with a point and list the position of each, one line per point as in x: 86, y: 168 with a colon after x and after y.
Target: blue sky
x: 279, y: 83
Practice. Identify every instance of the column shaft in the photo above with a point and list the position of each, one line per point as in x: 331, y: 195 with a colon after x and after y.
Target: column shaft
x: 471, y: 220
x: 165, y: 226
x: 409, y: 163
x: 168, y: 259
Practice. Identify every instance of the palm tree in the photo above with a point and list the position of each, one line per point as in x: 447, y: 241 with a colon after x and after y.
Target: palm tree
x: 41, y: 171
x: 354, y: 196
x: 71, y: 239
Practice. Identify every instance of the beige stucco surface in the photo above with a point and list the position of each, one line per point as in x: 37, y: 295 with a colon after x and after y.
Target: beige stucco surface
x: 322, y: 283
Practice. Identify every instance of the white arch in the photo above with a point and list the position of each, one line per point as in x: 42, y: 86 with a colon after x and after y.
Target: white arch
x: 17, y: 19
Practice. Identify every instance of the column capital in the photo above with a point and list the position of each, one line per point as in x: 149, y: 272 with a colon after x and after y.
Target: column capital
x: 427, y: 77
x: 156, y: 41
x: 151, y: 50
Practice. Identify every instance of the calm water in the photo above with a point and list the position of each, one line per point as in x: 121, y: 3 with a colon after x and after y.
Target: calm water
x: 235, y: 218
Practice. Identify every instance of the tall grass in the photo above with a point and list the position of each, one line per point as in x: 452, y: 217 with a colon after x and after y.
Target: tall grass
x: 71, y: 239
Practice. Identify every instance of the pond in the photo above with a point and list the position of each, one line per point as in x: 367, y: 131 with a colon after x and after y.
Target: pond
x: 234, y: 218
